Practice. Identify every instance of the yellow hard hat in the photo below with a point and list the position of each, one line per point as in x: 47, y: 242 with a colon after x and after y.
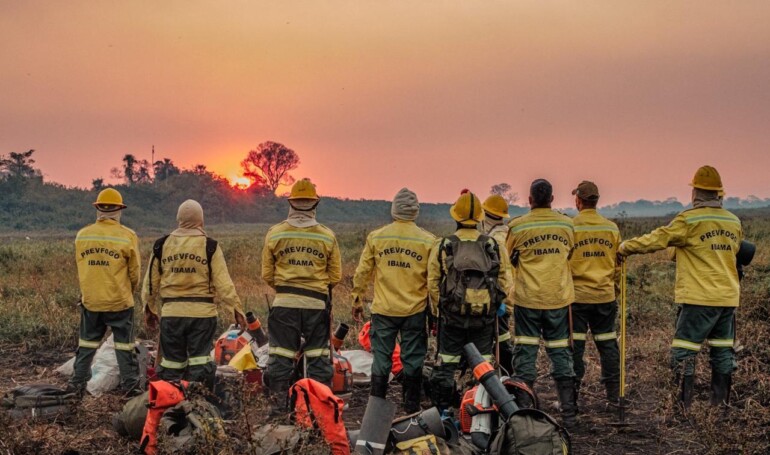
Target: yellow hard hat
x: 707, y: 178
x: 303, y: 189
x: 110, y: 196
x: 496, y: 205
x: 467, y: 209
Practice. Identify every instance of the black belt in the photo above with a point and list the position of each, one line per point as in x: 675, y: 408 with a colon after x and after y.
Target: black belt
x: 303, y: 292
x: 188, y: 299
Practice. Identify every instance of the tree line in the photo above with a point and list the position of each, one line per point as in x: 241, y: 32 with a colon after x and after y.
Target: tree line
x: 153, y: 191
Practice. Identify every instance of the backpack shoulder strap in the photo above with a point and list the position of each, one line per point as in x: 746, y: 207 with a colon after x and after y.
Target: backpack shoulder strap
x: 211, y: 248
x: 157, y: 255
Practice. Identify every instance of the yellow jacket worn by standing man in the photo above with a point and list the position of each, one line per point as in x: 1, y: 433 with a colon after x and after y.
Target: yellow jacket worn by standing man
x: 495, y: 213
x: 397, y: 256
x: 541, y: 243
x: 466, y: 284
x: 594, y: 274
x: 108, y: 262
x: 301, y: 261
x: 186, y: 272
x: 707, y: 239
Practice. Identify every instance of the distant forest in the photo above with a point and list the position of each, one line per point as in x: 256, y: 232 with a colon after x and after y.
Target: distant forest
x: 153, y: 191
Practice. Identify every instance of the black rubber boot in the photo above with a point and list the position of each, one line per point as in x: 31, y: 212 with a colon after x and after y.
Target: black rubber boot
x: 568, y: 407
x: 79, y: 389
x: 612, y: 388
x: 687, y: 391
x: 379, y: 387
x: 279, y: 392
x: 720, y: 388
x: 411, y: 396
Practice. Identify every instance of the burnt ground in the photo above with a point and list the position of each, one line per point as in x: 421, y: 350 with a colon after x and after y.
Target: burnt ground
x: 653, y: 427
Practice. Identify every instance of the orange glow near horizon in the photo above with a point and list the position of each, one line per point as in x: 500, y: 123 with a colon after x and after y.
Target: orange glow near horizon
x: 239, y: 182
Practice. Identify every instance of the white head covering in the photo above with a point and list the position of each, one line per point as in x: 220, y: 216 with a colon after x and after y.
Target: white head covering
x: 405, y: 206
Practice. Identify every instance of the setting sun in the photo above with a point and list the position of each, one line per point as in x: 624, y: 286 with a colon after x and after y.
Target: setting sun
x: 239, y: 182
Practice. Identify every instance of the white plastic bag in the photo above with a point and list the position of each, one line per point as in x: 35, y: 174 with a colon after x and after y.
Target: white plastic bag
x: 105, y: 375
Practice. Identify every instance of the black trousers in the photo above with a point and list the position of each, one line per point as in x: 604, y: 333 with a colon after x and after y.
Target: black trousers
x: 186, y: 345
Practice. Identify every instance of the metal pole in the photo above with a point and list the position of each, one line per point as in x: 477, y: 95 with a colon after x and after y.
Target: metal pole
x: 623, y: 308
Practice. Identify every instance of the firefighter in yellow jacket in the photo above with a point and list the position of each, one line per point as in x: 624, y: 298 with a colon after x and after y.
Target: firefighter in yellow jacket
x: 540, y: 243
x: 186, y: 272
x: 301, y: 261
x: 594, y: 274
x: 707, y: 239
x: 493, y: 225
x: 466, y: 285
x: 107, y: 256
x: 397, y: 255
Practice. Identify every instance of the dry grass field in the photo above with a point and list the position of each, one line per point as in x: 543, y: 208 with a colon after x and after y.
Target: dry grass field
x: 38, y: 331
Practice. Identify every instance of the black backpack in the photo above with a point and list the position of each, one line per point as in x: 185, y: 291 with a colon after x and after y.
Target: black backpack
x: 157, y: 255
x: 468, y: 286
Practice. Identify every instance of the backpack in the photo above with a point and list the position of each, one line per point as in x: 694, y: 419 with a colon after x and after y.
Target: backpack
x: 39, y: 401
x: 157, y: 255
x: 315, y: 406
x: 529, y: 432
x: 468, y: 285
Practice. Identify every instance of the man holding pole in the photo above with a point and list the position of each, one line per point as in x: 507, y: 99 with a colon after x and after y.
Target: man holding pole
x: 707, y: 239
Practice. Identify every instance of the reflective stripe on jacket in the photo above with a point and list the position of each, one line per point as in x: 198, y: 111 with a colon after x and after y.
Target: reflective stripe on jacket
x: 108, y: 262
x: 185, y: 280
x: 593, y: 260
x: 543, y: 240
x: 306, y: 258
x: 706, y: 240
x: 397, y: 255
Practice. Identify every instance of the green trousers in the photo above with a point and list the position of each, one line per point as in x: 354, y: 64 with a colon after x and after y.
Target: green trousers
x: 93, y: 326
x: 600, y: 320
x: 286, y: 328
x: 414, y: 343
x: 185, y: 345
x: 451, y: 340
x: 553, y: 327
x: 697, y: 324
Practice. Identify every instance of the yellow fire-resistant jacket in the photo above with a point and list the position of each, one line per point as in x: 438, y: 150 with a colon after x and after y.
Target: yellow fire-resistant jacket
x: 500, y: 234
x: 593, y: 262
x: 397, y: 254
x: 107, y: 256
x: 543, y: 240
x: 183, y: 288
x: 306, y: 258
x: 706, y: 240
x: 434, y: 268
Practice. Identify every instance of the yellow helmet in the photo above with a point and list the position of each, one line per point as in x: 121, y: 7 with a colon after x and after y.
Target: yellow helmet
x: 707, y: 178
x: 467, y: 209
x: 303, y: 189
x: 496, y: 205
x: 109, y: 196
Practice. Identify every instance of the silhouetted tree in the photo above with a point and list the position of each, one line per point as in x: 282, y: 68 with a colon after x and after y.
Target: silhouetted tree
x: 19, y: 165
x: 270, y: 164
x: 504, y: 190
x: 163, y: 169
x: 199, y: 169
x: 97, y: 184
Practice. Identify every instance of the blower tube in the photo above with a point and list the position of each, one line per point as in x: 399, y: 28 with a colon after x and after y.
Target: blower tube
x: 339, y: 335
x: 485, y: 373
x: 254, y: 328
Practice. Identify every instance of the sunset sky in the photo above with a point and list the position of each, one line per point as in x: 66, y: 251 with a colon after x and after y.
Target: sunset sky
x: 374, y: 95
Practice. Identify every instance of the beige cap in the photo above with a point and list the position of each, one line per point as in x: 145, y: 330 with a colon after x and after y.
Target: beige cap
x: 587, y: 191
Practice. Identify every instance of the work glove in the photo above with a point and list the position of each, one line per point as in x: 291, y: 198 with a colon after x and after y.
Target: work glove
x: 240, y: 320
x: 150, y: 319
x: 358, y: 313
x: 501, y: 310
